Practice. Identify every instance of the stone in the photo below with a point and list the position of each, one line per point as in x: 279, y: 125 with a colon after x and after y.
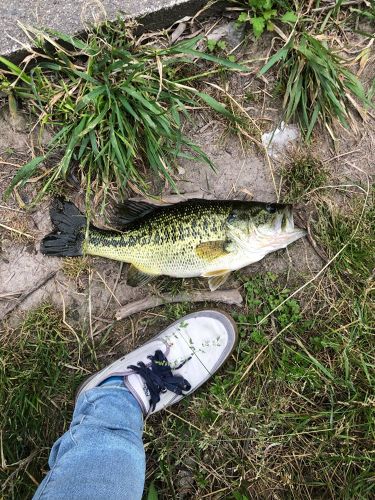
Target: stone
x: 74, y: 16
x: 277, y: 141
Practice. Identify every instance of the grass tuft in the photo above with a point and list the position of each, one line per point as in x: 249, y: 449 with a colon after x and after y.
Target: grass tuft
x: 116, y: 106
x: 336, y: 227
x: 318, y: 86
x: 75, y: 267
x: 302, y: 173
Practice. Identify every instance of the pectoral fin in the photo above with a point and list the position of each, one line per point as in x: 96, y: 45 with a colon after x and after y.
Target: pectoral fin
x: 216, y: 281
x: 211, y: 250
x: 138, y: 278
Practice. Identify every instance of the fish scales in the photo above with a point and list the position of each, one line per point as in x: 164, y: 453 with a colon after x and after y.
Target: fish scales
x: 165, y: 242
x: 193, y: 238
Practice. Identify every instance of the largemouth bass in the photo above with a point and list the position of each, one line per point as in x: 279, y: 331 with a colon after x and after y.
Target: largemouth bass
x: 209, y: 238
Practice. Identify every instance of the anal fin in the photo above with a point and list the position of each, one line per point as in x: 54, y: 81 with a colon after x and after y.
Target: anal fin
x: 136, y: 277
x: 215, y: 282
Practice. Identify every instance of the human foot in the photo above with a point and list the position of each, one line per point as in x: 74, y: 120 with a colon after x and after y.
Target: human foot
x: 175, y: 362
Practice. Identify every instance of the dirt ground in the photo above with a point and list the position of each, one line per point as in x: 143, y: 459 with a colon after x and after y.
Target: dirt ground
x: 242, y: 172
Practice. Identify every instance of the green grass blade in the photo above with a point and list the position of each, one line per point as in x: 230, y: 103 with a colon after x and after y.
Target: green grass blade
x: 89, y: 97
x: 216, y: 105
x: 24, y: 173
x: 15, y: 70
x: 74, y: 140
x: 313, y: 120
x: 91, y: 124
x: 218, y: 60
x: 280, y: 55
x: 152, y: 493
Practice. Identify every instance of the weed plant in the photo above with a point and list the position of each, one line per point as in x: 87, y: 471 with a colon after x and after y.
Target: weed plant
x: 318, y: 86
x: 302, y: 174
x: 262, y: 14
x: 316, y: 82
x: 115, y: 106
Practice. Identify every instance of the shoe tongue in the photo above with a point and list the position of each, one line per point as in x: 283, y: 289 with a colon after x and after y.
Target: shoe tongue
x: 137, y: 386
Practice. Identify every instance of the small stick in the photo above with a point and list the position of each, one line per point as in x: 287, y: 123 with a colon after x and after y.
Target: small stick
x: 26, y: 294
x: 225, y: 296
x: 12, y: 209
x: 342, y: 154
x: 332, y: 6
x: 17, y: 231
x: 313, y: 243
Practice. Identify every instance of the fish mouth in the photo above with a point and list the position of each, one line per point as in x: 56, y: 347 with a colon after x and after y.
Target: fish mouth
x: 284, y: 228
x: 284, y: 221
x: 266, y: 238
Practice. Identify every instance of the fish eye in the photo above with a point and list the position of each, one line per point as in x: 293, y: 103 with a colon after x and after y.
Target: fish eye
x: 271, y: 208
x: 233, y: 216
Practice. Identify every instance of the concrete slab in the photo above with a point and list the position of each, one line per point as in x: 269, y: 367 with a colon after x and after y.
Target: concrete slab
x: 72, y: 16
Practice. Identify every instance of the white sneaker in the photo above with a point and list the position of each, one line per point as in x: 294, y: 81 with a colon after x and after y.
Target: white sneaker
x: 175, y: 362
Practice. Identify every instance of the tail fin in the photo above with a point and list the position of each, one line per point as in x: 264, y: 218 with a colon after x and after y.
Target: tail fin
x: 68, y: 234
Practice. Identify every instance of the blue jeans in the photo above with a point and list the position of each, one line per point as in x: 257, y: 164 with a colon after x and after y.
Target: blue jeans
x: 101, y: 456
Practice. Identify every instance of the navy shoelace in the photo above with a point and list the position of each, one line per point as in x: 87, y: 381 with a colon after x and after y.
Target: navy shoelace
x: 159, y: 377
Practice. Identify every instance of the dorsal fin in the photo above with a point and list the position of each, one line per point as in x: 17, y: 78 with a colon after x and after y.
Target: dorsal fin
x: 129, y: 211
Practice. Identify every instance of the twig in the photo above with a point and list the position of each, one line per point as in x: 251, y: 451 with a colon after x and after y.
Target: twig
x: 9, y: 295
x: 332, y: 6
x: 225, y: 296
x: 306, y: 223
x: 17, y: 231
x: 341, y: 155
x: 22, y: 463
x: 26, y: 294
x: 69, y: 326
x: 90, y: 305
x: 12, y: 209
x: 313, y: 243
x: 108, y: 288
x: 113, y: 291
x: 269, y: 163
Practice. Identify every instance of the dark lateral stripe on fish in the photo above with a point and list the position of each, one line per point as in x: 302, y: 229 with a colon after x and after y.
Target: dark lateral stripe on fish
x: 188, y: 239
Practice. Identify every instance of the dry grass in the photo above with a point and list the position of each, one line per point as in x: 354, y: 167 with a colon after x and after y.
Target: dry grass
x: 15, y: 226
x: 76, y: 267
